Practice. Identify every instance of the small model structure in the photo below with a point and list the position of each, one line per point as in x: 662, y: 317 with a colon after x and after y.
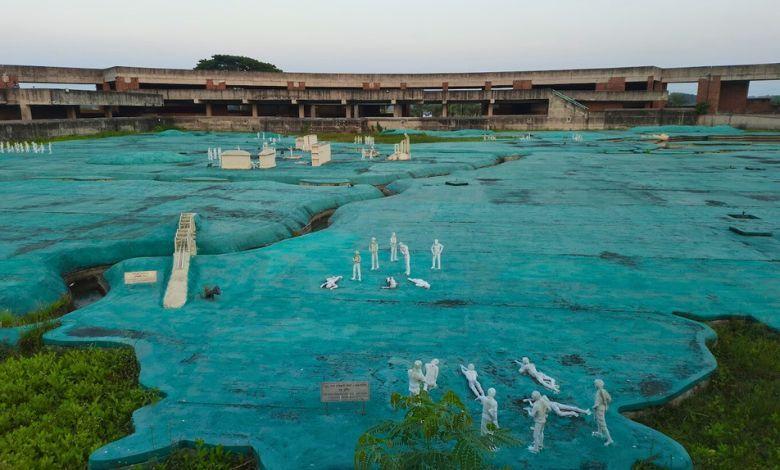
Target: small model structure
x: 407, y: 257
x: 489, y: 411
x: 356, y: 267
x: 402, y: 150
x: 305, y: 142
x: 393, y: 247
x: 431, y: 374
x: 320, y: 153
x: 529, y: 368
x: 331, y: 282
x: 538, y: 412
x: 419, y: 282
x: 235, y: 160
x: 267, y: 158
x: 185, y: 248
x: 601, y: 403
x: 373, y: 248
x: 390, y: 283
x: 416, y: 378
x: 471, y: 376
x: 436, y: 250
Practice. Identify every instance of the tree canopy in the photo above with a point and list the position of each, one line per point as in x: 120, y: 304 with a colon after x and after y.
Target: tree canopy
x: 235, y: 63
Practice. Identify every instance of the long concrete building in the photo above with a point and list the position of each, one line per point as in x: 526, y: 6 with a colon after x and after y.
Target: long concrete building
x: 536, y: 99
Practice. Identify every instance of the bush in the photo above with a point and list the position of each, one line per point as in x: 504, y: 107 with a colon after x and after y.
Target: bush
x: 204, y: 457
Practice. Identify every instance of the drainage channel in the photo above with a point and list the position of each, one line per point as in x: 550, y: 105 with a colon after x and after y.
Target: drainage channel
x: 87, y: 286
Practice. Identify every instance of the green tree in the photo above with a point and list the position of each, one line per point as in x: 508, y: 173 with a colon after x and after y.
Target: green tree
x: 431, y: 435
x: 235, y: 63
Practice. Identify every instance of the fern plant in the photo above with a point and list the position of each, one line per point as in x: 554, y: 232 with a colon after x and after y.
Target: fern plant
x: 431, y: 435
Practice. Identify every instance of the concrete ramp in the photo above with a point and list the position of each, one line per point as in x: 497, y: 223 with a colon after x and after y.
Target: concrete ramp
x: 185, y: 247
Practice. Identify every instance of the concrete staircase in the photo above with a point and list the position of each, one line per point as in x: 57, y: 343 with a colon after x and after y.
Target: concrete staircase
x: 185, y: 247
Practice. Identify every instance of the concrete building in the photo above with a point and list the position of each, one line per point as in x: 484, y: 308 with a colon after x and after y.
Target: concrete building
x: 583, y: 98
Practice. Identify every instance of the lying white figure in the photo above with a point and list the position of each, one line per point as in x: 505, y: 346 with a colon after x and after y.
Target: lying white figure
x: 416, y: 378
x: 419, y: 282
x: 529, y: 368
x: 566, y: 411
x: 471, y: 376
x: 390, y: 283
x: 431, y: 374
x: 489, y: 410
x: 331, y: 282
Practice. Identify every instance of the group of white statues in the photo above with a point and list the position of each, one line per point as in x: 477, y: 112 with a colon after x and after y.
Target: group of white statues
x: 539, y: 405
x: 24, y: 147
x: 215, y: 154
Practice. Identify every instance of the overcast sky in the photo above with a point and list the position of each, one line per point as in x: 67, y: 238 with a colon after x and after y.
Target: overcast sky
x: 394, y: 36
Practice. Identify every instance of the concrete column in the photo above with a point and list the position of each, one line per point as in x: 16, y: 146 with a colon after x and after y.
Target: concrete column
x: 71, y: 112
x: 709, y: 92
x: 444, y: 109
x: 348, y: 111
x: 209, y: 111
x: 397, y: 110
x: 313, y: 111
x: 301, y: 110
x: 487, y: 109
x: 254, y: 109
x: 25, y: 111
x: 356, y: 111
x: 108, y: 111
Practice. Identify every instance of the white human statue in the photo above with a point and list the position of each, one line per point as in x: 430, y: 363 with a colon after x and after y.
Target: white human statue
x: 407, y: 257
x: 393, y: 247
x: 49, y: 148
x: 416, y: 378
x: 601, y: 403
x: 26, y: 146
x: 431, y: 374
x: 356, y: 276
x: 35, y: 147
x: 390, y: 283
x: 561, y: 409
x: 529, y: 368
x: 331, y: 282
x: 2, y: 147
x: 489, y: 410
x: 373, y: 247
x: 436, y: 250
x: 538, y: 412
x: 419, y: 282
x: 471, y: 377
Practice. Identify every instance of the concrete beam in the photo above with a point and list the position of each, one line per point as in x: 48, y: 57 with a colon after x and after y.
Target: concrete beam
x: 26, y: 112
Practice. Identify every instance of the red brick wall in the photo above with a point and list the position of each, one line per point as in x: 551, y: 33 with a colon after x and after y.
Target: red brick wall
x: 371, y: 85
x: 733, y: 96
x: 709, y: 92
x: 522, y: 84
x: 210, y: 85
x: 9, y: 81
x: 761, y: 106
x: 122, y: 84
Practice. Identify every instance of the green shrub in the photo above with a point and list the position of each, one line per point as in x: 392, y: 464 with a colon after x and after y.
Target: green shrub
x: 204, y: 457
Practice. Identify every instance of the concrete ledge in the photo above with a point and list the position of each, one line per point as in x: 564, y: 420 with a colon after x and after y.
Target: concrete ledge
x: 48, y: 128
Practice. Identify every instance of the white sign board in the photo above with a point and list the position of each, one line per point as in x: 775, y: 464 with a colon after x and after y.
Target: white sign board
x: 333, y: 392
x: 141, y: 277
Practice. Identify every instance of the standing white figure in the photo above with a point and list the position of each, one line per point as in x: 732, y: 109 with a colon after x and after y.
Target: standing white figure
x: 489, y: 411
x: 49, y: 148
x: 393, y: 247
x: 26, y: 147
x: 416, y: 378
x: 436, y: 250
x: 331, y: 282
x: 601, y: 403
x: 529, y: 368
x: 2, y: 147
x: 356, y: 276
x: 407, y: 257
x: 431, y: 374
x: 373, y: 247
x: 471, y: 376
x: 538, y: 412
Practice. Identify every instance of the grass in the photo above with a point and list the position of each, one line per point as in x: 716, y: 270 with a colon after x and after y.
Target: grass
x: 735, y: 421
x: 56, y: 309
x: 391, y: 139
x: 105, y: 134
x: 203, y: 457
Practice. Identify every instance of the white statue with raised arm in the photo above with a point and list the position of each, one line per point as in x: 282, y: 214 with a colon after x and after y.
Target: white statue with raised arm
x: 489, y: 410
x: 393, y: 247
x: 436, y: 250
x: 471, y: 375
x: 431, y: 374
x: 356, y: 276
x: 416, y: 378
x: 407, y: 257
x: 529, y: 368
x: 373, y: 247
x: 538, y: 412
x: 601, y: 404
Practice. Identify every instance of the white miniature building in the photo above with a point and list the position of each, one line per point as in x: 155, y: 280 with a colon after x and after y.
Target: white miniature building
x: 267, y: 158
x: 320, y: 153
x: 305, y: 142
x: 402, y: 150
x: 236, y: 160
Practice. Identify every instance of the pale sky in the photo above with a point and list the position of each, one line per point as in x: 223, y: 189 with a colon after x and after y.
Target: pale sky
x: 394, y: 36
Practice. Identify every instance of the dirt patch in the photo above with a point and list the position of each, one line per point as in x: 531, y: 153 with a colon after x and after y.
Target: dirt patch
x: 652, y: 386
x: 451, y: 303
x: 714, y: 203
x: 618, y: 258
x: 572, y: 360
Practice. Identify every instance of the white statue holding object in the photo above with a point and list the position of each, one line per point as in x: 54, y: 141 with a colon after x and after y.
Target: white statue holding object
x: 331, y: 282
x: 407, y: 257
x: 538, y: 412
x: 402, y: 150
x: 489, y: 411
x: 356, y: 276
x: 471, y: 376
x: 416, y: 378
x: 561, y: 409
x: 373, y: 248
x: 436, y: 250
x: 390, y: 283
x: 431, y: 374
x: 601, y: 403
x: 393, y: 247
x: 529, y: 368
x: 419, y: 282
